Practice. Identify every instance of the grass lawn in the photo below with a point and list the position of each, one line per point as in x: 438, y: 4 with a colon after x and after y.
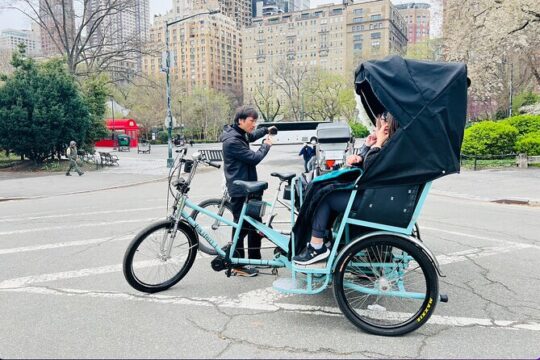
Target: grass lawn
x: 489, y: 164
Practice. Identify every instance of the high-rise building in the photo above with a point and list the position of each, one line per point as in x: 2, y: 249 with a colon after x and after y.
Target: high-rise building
x: 335, y: 38
x: 125, y: 31
x: 274, y: 7
x: 238, y: 10
x: 54, y: 15
x: 418, y: 18
x: 206, y: 51
x: 10, y: 40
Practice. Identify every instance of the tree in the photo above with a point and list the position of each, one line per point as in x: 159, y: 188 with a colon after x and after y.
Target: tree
x: 289, y: 79
x: 267, y: 102
x: 86, y: 34
x: 497, y: 39
x: 429, y: 49
x: 328, y: 96
x: 41, y: 109
x: 205, y: 111
x: 95, y: 91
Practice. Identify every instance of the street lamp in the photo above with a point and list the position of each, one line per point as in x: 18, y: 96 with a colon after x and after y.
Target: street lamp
x: 113, y: 128
x: 170, y: 160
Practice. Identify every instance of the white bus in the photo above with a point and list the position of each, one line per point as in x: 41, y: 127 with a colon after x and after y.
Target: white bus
x: 297, y: 132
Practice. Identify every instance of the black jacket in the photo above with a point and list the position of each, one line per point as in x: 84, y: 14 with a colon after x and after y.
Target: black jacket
x: 239, y: 160
x: 317, y: 192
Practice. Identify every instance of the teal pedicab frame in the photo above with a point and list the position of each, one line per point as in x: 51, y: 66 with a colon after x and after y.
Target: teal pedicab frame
x: 317, y: 278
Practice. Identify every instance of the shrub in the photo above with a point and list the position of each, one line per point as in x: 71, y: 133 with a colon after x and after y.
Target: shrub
x: 524, y: 124
x: 523, y: 99
x: 358, y: 130
x: 489, y: 138
x: 163, y: 137
x: 529, y: 144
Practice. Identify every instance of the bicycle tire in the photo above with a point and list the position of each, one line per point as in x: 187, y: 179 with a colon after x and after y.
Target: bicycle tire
x: 130, y: 274
x: 366, y: 318
x: 225, y: 234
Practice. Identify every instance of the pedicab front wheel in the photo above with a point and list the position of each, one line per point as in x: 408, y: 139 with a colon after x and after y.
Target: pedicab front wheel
x: 386, y: 285
x: 159, y: 257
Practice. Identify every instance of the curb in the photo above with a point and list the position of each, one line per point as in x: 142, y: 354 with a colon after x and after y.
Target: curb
x: 84, y: 191
x: 504, y: 201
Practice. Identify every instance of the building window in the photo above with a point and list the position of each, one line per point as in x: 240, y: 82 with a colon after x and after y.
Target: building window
x: 358, y: 11
x: 358, y: 46
x: 358, y: 19
x: 376, y: 35
x: 376, y: 17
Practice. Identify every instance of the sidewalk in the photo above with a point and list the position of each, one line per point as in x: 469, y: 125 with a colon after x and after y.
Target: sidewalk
x: 521, y: 186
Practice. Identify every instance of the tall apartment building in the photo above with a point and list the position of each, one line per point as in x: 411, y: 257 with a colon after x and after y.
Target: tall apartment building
x: 335, y: 38
x: 124, y: 29
x: 205, y: 51
x: 418, y: 18
x: 56, y: 14
x: 238, y: 10
x: 10, y: 40
x: 274, y: 7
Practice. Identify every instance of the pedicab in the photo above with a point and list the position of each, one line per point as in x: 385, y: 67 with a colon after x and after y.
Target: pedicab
x: 385, y: 281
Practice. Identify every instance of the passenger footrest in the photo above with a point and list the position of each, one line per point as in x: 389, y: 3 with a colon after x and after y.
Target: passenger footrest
x: 303, y: 283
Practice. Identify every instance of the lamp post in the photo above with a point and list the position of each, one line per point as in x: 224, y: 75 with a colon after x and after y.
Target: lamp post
x: 170, y: 160
x: 113, y: 128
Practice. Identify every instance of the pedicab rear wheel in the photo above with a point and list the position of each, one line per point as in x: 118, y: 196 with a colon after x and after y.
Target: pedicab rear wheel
x: 385, y: 285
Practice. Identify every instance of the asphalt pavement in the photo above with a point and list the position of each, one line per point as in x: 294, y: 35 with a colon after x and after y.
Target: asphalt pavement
x: 63, y: 295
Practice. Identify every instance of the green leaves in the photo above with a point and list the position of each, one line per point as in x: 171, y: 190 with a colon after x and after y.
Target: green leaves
x: 41, y: 109
x: 489, y: 138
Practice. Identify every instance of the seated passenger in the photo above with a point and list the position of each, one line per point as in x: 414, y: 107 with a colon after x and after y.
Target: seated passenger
x: 336, y: 201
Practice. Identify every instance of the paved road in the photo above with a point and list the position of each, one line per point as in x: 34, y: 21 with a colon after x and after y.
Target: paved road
x: 63, y: 293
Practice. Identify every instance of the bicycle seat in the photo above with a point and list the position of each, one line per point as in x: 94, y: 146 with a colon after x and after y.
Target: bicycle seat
x: 283, y: 176
x: 252, y: 186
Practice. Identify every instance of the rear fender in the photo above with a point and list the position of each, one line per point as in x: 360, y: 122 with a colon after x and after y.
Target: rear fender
x: 410, y: 239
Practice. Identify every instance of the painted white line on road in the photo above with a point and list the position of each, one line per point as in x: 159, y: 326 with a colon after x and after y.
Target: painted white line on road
x: 478, y: 237
x: 78, y: 226
x: 266, y: 300
x: 24, y: 281
x: 78, y: 214
x: 65, y: 244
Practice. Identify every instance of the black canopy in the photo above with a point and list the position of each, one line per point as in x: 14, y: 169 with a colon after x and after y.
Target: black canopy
x: 429, y: 102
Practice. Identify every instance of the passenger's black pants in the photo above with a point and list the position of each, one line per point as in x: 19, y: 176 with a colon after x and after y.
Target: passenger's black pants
x: 254, y: 239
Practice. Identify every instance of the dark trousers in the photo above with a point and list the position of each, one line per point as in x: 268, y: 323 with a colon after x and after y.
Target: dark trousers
x: 254, y: 239
x: 335, y: 202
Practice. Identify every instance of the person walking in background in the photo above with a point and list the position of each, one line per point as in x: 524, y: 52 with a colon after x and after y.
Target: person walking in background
x: 307, y: 152
x: 71, y: 154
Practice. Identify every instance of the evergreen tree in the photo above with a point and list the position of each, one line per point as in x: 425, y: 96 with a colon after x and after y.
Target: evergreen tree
x: 41, y: 109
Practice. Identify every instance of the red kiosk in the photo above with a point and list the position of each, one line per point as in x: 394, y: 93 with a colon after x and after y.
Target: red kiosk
x: 121, y: 126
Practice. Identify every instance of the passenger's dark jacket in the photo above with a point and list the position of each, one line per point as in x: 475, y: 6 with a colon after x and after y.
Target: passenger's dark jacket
x: 316, y: 192
x: 239, y: 160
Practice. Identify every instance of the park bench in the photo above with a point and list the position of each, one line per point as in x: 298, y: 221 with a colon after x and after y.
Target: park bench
x: 90, y: 157
x: 143, y: 147
x: 108, y: 159
x: 212, y: 155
